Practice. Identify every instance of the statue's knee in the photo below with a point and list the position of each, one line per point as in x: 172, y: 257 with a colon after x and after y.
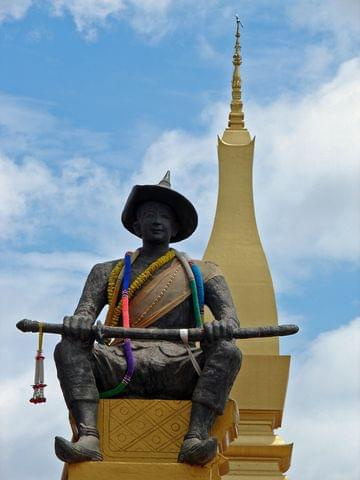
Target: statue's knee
x: 238, y: 355
x: 64, y: 350
x: 59, y: 352
x: 232, y: 353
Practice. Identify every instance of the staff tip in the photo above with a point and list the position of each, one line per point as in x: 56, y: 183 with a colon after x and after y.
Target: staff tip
x: 21, y: 325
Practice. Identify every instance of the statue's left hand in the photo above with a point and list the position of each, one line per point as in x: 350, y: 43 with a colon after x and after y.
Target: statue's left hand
x: 217, y: 330
x: 78, y: 327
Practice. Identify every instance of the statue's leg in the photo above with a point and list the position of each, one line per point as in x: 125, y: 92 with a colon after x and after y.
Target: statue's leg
x: 221, y: 365
x: 74, y: 362
x: 72, y: 359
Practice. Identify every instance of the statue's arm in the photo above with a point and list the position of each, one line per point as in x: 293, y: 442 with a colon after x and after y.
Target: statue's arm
x: 92, y: 301
x: 218, y: 298
x: 94, y: 294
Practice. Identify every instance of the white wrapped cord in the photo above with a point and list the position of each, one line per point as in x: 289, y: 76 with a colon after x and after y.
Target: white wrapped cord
x: 184, y: 335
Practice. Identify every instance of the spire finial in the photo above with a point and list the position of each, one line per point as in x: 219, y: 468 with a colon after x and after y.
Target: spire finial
x: 165, y: 182
x: 236, y: 116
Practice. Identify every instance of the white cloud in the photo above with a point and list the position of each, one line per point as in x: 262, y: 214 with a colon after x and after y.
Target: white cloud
x: 318, y: 60
x: 20, y: 187
x: 148, y: 17
x: 151, y: 18
x: 89, y: 14
x: 38, y: 198
x: 307, y: 171
x: 340, y: 17
x: 23, y: 116
x: 80, y: 201
x: 28, y: 128
x: 322, y: 412
x: 36, y: 35
x: 14, y: 9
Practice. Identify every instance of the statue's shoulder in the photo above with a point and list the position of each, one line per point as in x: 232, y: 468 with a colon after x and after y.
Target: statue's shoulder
x: 208, y: 269
x: 104, y: 268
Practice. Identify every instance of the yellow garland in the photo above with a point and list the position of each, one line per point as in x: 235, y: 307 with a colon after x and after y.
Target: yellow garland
x: 136, y: 284
x: 113, y: 279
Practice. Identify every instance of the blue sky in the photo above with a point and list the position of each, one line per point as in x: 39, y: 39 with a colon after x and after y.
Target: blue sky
x: 97, y: 96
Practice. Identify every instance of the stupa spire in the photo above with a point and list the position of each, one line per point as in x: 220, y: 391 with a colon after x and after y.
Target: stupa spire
x: 236, y: 116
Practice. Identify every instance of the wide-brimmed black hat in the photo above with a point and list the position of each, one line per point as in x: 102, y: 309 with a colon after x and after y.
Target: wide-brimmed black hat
x: 184, y: 210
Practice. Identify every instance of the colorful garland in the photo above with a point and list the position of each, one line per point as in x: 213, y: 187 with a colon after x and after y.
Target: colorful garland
x: 200, y: 291
x: 136, y: 284
x: 195, y: 281
x: 114, y: 275
x: 130, y: 359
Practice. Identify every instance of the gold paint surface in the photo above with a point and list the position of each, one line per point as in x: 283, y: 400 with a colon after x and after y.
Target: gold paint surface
x: 260, y: 388
x: 262, y: 383
x: 153, y: 430
x: 235, y: 243
x: 144, y: 471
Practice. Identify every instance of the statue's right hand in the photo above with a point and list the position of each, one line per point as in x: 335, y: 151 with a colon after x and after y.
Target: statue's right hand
x: 78, y: 327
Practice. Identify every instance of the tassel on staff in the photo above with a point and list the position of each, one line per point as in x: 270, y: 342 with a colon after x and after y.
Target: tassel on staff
x: 39, y: 385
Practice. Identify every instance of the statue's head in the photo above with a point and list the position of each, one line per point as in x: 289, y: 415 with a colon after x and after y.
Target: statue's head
x: 155, y: 222
x: 159, y: 213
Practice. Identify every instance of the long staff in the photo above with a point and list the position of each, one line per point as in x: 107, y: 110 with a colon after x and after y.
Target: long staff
x: 101, y: 331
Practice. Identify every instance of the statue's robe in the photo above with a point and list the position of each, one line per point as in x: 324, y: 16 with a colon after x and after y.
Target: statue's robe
x: 163, y: 369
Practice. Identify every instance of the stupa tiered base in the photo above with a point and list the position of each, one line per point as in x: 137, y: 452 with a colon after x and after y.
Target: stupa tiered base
x: 141, y: 439
x: 258, y: 452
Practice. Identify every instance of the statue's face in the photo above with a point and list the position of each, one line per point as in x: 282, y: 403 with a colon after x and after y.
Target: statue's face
x: 156, y: 222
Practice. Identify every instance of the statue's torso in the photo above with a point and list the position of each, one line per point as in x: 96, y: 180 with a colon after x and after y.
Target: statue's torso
x: 181, y: 315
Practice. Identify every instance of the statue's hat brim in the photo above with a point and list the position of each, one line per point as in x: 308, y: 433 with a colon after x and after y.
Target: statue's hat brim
x: 184, y: 210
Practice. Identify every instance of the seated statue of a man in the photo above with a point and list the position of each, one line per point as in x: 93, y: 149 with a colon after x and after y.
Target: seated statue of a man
x: 159, y: 295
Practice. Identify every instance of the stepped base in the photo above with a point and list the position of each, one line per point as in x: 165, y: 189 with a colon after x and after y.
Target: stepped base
x: 254, y: 470
x: 134, y: 471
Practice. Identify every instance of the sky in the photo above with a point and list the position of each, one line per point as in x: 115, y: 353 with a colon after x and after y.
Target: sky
x: 96, y: 96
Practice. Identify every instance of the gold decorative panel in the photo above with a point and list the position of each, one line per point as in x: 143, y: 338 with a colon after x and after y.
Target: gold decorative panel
x: 135, y: 428
x: 152, y: 430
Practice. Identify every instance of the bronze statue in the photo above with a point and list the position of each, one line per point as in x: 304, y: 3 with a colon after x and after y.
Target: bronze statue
x: 158, y: 215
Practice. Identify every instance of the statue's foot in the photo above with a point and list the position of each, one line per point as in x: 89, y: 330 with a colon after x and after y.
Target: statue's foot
x: 85, y: 449
x: 197, y: 452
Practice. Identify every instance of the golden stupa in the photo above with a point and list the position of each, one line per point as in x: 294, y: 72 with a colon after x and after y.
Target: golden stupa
x: 235, y: 245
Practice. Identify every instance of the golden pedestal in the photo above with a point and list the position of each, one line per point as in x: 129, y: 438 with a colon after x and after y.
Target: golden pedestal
x: 144, y: 471
x: 141, y: 439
